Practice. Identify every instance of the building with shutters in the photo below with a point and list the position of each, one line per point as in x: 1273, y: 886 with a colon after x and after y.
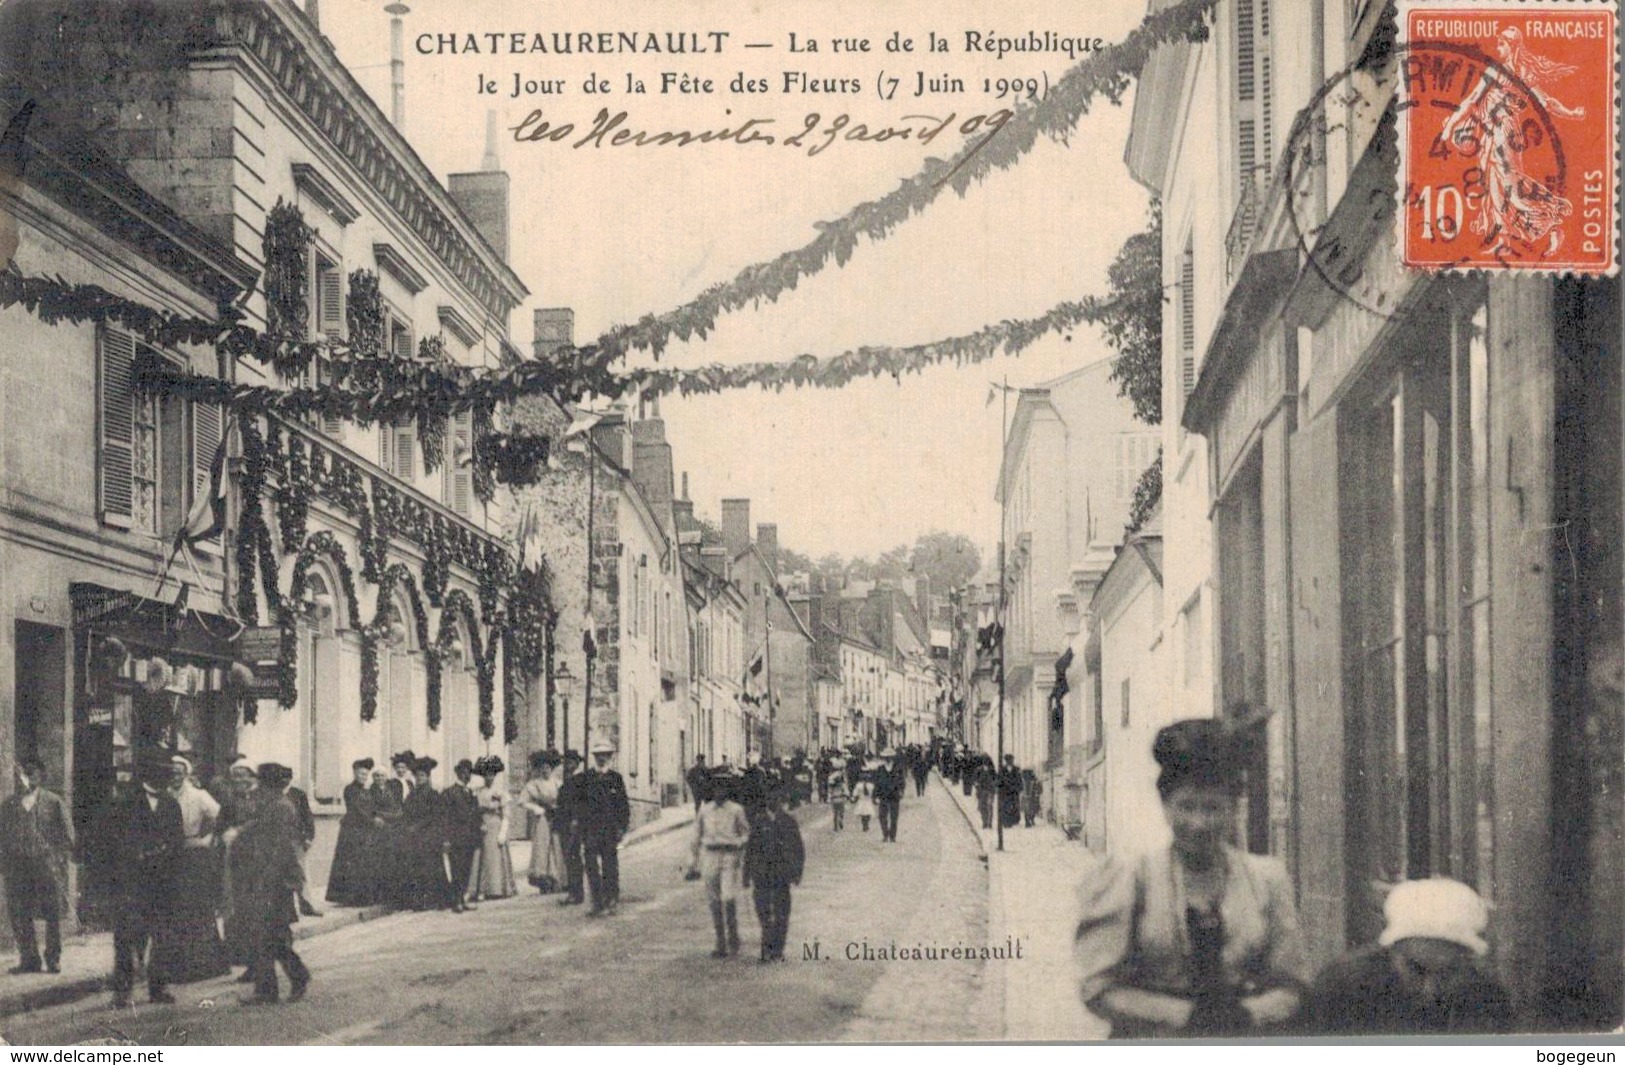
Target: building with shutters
x: 1072, y: 458
x: 231, y: 115
x: 98, y: 480
x: 1392, y: 513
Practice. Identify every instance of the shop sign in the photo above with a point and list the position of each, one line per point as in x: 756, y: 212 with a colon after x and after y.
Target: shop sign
x: 91, y: 602
x: 259, y: 644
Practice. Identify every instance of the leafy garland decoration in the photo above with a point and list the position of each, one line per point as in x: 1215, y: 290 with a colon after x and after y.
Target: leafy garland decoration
x: 432, y: 412
x: 286, y: 247
x: 293, y: 495
x: 321, y: 544
x: 251, y: 486
x: 1107, y: 73
x: 364, y: 315
x: 375, y: 633
x: 457, y: 604
x: 483, y: 473
x: 1147, y: 494
x: 516, y: 458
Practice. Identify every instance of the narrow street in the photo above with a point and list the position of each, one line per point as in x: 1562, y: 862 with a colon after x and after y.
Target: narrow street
x: 528, y: 971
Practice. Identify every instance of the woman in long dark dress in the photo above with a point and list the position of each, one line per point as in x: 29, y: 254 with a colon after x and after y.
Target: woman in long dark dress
x: 353, y: 880
x: 423, y: 825
x: 389, y: 864
x: 196, y: 949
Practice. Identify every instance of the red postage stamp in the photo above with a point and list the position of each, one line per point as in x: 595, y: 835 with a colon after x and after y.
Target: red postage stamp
x: 1507, y: 134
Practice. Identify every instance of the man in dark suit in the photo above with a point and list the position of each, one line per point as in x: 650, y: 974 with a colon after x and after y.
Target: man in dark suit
x: 889, y: 795
x: 461, y: 809
x: 698, y: 781
x: 307, y: 836
x: 567, y: 823
x: 36, y: 850
x: 271, y: 861
x: 604, y: 816
x: 148, y: 834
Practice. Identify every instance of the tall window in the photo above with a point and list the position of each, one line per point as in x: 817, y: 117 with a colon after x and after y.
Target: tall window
x: 327, y: 323
x: 155, y: 452
x: 398, y: 454
x: 1187, y: 319
x: 1417, y: 501
x: 459, y: 486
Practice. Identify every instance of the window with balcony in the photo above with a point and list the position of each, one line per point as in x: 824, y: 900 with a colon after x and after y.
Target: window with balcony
x: 1253, y: 120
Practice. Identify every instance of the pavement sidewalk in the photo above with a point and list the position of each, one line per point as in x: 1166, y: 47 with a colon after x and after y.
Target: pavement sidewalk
x: 87, y: 958
x: 1032, y: 898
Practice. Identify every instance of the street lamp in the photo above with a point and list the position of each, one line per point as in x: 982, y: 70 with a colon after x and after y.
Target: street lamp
x: 564, y: 683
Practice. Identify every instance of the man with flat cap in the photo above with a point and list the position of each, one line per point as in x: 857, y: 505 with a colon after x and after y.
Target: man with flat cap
x: 604, y: 816
x: 36, y: 852
x: 148, y: 832
x: 461, y: 809
x: 273, y: 876
x: 567, y: 814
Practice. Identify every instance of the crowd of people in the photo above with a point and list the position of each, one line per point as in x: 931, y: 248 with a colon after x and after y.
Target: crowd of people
x: 1196, y: 938
x: 197, y: 880
x: 405, y: 844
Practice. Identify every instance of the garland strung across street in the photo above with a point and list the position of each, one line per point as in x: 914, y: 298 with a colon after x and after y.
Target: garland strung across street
x: 366, y: 383
x: 1107, y: 73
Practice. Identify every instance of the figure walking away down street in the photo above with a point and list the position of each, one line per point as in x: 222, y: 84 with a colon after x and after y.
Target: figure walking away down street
x: 605, y: 815
x: 274, y: 877
x: 774, y: 857
x: 1032, y: 794
x: 835, y: 791
x: 1198, y: 938
x: 36, y: 849
x: 720, y: 833
x: 889, y: 788
x: 863, y: 798
x: 149, y: 834
x: 1423, y: 976
x: 1009, y: 783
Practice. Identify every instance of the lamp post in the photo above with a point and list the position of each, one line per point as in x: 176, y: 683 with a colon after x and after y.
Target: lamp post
x: 564, y: 683
x: 1004, y: 446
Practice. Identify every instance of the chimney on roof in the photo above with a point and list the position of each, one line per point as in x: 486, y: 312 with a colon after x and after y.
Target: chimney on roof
x: 922, y: 597
x: 685, y: 486
x: 651, y: 465
x: 313, y: 11
x: 553, y: 328
x: 767, y: 541
x: 397, y: 64
x: 483, y: 195
x: 736, y: 526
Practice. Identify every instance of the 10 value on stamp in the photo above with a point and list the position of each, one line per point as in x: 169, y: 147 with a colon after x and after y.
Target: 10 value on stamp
x: 1507, y: 137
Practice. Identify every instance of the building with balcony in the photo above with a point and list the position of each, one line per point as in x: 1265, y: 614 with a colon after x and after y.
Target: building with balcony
x: 97, y: 657
x: 1373, y: 505
x: 365, y: 562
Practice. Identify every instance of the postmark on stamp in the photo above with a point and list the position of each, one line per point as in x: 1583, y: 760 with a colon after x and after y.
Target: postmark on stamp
x: 1507, y: 136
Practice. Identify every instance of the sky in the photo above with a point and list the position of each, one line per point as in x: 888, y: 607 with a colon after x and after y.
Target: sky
x: 616, y: 233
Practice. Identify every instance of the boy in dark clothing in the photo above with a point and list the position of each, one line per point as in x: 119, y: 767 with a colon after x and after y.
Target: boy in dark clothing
x: 774, y: 857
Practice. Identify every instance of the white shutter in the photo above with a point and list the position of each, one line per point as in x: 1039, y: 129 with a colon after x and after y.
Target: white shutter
x: 401, y: 339
x: 1245, y: 54
x: 1187, y: 319
x: 329, y: 301
x: 331, y: 424
x: 206, y: 440
x: 404, y: 445
x: 459, y: 468
x: 386, y: 446
x: 116, y: 483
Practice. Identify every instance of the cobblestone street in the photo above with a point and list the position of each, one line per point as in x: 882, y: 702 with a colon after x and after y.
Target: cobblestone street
x: 528, y: 971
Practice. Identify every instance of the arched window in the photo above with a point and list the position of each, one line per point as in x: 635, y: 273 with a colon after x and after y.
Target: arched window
x: 402, y: 679
x: 321, y: 694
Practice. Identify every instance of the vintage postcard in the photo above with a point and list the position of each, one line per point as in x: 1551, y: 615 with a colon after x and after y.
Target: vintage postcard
x: 711, y: 522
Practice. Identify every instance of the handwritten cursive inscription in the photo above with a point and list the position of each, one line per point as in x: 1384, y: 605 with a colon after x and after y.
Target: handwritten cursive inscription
x: 817, y: 134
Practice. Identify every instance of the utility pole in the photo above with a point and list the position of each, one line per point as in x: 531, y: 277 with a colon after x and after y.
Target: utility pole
x: 1004, y: 496
x: 769, y: 749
